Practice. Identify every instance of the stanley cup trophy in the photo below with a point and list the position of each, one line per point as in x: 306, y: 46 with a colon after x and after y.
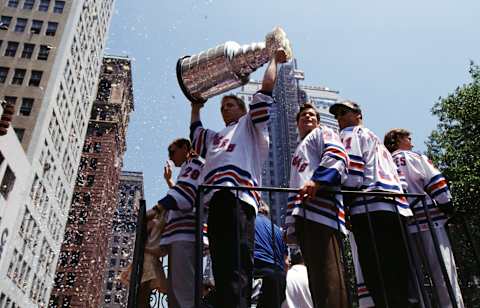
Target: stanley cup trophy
x: 226, y: 66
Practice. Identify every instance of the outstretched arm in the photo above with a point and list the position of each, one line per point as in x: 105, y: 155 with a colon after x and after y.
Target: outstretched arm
x: 195, y: 116
x: 270, y: 75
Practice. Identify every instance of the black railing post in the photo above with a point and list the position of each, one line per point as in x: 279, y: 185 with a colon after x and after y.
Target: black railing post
x: 411, y: 262
x: 199, y: 247
x: 436, y: 244
x: 137, y: 262
x: 275, y: 270
x: 346, y: 274
x: 375, y: 251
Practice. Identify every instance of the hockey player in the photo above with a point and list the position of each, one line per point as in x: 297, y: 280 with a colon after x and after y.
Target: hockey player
x: 423, y: 178
x: 179, y: 232
x: 234, y: 156
x: 371, y: 168
x: 319, y: 162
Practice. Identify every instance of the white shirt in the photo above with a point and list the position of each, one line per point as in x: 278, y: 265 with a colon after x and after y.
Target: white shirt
x: 297, y: 291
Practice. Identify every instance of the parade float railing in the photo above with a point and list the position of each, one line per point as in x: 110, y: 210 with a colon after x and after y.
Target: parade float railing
x: 424, y: 284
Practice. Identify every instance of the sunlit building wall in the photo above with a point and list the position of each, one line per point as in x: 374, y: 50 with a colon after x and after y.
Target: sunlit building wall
x: 50, y: 57
x: 289, y: 94
x: 83, y: 257
x: 122, y: 241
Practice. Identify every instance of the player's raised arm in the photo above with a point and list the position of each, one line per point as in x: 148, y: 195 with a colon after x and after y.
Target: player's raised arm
x: 270, y: 75
x: 195, y: 115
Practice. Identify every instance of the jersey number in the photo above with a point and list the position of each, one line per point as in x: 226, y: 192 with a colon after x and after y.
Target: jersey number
x: 192, y: 173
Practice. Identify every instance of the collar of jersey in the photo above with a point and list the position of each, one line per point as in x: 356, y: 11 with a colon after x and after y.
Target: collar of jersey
x: 348, y: 129
x: 232, y: 123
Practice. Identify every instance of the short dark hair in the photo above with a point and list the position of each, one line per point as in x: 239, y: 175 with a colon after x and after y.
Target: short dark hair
x: 296, y: 257
x: 238, y: 100
x: 305, y: 106
x: 392, y: 138
x: 180, y: 142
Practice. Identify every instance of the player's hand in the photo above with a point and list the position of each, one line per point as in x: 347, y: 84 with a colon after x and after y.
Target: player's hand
x: 309, y: 190
x: 197, y: 105
x: 280, y: 56
x: 167, y: 172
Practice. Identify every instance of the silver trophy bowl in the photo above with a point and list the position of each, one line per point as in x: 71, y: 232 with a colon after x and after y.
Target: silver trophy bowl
x: 226, y: 66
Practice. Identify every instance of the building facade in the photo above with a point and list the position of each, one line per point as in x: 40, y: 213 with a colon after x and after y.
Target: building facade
x: 289, y: 94
x: 50, y: 57
x: 83, y: 256
x: 122, y: 241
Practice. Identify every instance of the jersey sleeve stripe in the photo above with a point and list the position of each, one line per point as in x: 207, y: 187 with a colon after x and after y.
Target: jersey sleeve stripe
x: 182, y: 193
x: 168, y: 202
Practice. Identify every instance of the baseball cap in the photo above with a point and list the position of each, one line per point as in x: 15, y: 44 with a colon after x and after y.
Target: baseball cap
x: 345, y: 104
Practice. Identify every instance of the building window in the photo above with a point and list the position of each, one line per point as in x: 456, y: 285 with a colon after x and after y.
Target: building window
x: 19, y: 132
x: 36, y: 26
x: 28, y: 4
x: 13, y: 3
x: 35, y: 78
x: 43, y: 52
x: 7, y: 182
x: 26, y: 107
x: 44, y: 4
x: 59, y: 6
x: 66, y: 302
x: 71, y: 277
x: 18, y: 76
x: 11, y: 100
x: 27, y: 50
x: 11, y: 49
x: 90, y: 180
x: 21, y: 25
x: 75, y: 259
x: 5, y: 22
x: 3, y: 74
x: 51, y: 28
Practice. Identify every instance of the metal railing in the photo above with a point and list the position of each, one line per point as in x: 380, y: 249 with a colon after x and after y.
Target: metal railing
x: 425, y: 285
x: 137, y: 262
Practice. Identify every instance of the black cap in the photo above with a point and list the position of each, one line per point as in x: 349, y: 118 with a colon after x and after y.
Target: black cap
x: 344, y: 104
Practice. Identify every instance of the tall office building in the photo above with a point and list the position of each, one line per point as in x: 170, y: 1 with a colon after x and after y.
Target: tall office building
x: 122, y: 241
x: 289, y: 94
x: 83, y: 257
x: 50, y: 57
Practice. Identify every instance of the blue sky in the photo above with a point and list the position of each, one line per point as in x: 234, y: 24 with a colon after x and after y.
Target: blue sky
x: 395, y: 58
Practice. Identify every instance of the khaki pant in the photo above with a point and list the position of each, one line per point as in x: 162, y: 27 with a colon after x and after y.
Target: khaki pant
x: 321, y: 252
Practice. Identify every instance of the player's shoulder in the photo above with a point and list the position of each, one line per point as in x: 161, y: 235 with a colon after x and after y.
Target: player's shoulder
x: 195, y: 160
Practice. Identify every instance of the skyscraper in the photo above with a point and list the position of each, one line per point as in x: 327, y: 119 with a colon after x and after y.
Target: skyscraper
x: 50, y: 57
x: 83, y: 257
x: 289, y: 94
x: 122, y: 239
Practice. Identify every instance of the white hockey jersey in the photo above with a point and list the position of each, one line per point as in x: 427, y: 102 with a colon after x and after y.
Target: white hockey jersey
x: 320, y: 157
x: 180, y: 201
x: 371, y: 168
x: 235, y: 155
x: 422, y: 177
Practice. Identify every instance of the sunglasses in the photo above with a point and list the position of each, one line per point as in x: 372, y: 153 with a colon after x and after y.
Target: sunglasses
x: 171, y: 152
